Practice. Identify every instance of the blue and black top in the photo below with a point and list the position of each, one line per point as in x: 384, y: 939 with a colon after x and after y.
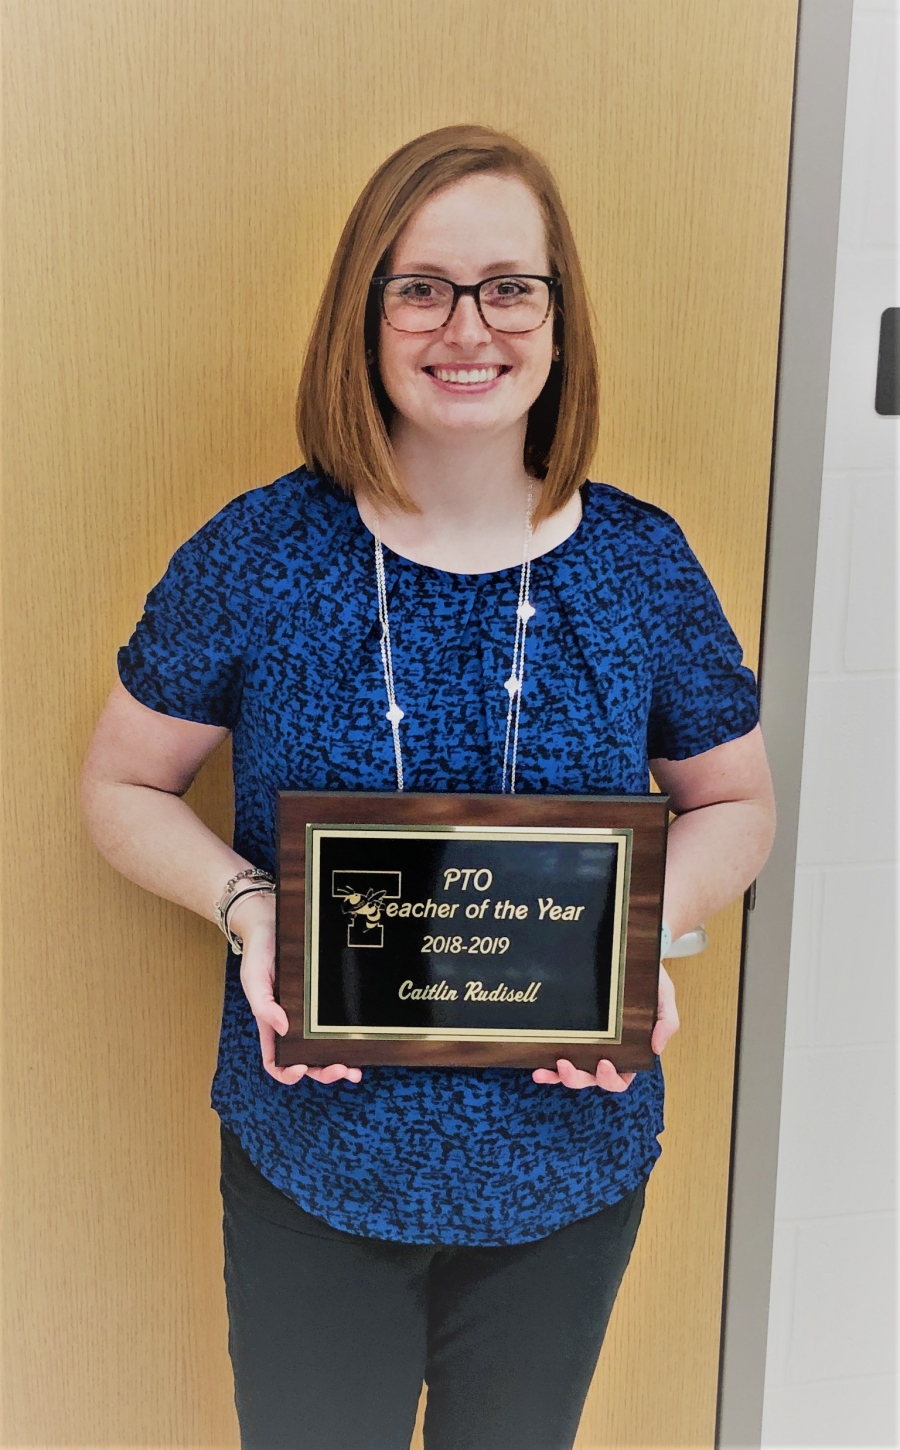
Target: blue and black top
x: 266, y: 622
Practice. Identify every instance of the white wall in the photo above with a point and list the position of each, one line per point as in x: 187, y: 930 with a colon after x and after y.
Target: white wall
x: 832, y: 1349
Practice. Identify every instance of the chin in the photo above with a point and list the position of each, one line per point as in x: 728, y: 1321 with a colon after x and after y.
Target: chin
x: 484, y: 411
x: 472, y: 422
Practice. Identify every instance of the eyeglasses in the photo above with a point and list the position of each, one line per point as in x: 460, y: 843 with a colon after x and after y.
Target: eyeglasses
x: 414, y: 303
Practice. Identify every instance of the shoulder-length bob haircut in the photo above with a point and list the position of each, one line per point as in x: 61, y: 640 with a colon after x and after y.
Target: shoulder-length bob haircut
x: 343, y: 412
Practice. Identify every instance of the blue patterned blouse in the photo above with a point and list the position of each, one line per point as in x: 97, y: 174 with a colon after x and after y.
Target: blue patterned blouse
x: 266, y: 622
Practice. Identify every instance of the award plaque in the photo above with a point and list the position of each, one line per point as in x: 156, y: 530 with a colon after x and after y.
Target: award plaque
x: 454, y: 929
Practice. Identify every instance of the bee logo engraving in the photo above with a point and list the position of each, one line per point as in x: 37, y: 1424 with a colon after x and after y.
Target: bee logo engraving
x: 362, y: 895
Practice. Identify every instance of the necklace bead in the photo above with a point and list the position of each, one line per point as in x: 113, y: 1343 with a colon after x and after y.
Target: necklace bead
x: 513, y: 685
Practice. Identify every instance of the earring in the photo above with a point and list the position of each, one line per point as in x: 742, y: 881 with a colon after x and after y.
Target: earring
x: 370, y: 356
x: 555, y: 353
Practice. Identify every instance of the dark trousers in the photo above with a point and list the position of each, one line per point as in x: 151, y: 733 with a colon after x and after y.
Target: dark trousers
x: 331, y: 1334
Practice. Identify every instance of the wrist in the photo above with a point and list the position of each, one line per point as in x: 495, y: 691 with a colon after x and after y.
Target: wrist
x: 255, y: 910
x: 246, y: 884
x: 678, y: 920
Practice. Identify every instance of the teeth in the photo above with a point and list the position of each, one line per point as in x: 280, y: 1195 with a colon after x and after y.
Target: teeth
x: 466, y: 375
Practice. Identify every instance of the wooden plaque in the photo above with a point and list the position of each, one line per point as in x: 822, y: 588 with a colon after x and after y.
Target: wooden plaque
x: 452, y: 930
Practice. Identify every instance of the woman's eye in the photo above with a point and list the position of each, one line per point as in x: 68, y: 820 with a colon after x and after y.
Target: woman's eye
x: 506, y: 289
x: 418, y: 292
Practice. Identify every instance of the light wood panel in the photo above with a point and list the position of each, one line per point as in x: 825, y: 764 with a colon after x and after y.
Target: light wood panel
x: 177, y: 175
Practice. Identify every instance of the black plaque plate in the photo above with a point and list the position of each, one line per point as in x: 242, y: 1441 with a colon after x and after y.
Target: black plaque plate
x: 469, y: 930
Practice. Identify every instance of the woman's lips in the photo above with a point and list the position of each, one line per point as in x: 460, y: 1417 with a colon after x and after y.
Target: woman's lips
x: 469, y: 380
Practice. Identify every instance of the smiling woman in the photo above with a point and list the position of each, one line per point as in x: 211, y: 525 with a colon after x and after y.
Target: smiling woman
x: 468, y: 1226
x: 473, y: 373
x: 457, y: 207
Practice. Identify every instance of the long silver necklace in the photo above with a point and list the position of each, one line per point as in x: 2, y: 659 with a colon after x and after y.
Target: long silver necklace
x: 512, y: 685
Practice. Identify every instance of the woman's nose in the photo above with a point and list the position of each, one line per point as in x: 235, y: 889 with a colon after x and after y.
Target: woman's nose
x: 465, y: 326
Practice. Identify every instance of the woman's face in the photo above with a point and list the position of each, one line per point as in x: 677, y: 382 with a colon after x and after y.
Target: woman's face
x: 484, y: 226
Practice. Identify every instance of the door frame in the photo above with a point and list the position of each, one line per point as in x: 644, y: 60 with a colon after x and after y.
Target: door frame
x: 814, y: 193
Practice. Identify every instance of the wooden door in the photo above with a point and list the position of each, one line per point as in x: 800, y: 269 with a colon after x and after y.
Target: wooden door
x: 178, y: 172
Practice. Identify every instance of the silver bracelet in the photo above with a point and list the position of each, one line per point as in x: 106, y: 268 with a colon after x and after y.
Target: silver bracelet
x: 236, y: 943
x: 243, y: 883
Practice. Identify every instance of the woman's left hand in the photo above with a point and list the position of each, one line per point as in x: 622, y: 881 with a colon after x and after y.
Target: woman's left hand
x: 606, y: 1076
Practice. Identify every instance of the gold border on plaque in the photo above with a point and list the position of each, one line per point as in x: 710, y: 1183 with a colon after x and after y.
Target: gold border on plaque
x: 316, y: 832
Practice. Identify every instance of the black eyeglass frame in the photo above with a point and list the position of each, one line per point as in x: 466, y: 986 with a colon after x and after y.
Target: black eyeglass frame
x: 472, y: 290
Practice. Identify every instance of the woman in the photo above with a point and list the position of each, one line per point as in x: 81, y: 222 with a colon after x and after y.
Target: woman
x: 387, y: 1225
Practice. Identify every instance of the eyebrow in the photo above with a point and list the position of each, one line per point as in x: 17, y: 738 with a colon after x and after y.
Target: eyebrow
x: 494, y: 269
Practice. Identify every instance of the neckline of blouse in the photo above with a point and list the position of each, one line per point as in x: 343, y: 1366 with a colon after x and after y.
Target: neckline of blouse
x: 560, y: 550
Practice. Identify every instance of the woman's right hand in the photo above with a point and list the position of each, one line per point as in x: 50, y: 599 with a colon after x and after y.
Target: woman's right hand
x: 253, y: 920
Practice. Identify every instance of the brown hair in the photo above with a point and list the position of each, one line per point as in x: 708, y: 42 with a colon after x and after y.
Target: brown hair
x: 343, y: 412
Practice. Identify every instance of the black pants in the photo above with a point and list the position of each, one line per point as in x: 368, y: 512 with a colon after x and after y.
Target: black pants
x: 331, y: 1334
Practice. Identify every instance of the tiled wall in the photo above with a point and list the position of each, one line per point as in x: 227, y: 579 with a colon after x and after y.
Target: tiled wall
x: 832, y: 1355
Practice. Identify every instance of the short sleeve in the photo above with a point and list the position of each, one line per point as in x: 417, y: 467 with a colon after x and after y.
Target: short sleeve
x: 186, y: 655
x: 703, y: 694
